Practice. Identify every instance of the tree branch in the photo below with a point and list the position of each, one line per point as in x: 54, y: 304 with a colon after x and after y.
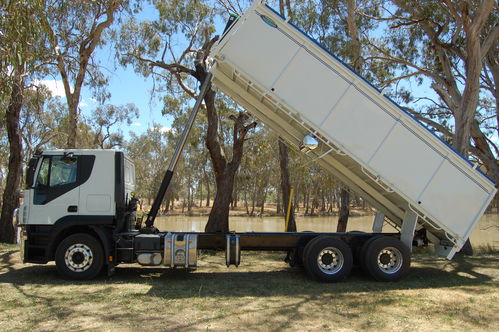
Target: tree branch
x: 490, y: 41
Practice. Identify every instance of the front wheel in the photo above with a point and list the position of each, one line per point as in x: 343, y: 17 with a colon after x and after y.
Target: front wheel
x: 328, y: 259
x: 79, y: 256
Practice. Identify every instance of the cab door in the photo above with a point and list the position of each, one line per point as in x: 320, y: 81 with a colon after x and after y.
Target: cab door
x: 56, y: 190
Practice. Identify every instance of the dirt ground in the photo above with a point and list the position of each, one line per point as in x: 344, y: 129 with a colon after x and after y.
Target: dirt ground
x: 263, y: 294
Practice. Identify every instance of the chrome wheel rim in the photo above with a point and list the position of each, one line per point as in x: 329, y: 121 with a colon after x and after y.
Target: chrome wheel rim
x: 390, y: 260
x: 78, y: 257
x: 330, y: 260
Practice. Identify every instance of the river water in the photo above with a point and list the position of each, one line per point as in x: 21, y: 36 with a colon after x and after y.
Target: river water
x: 487, y: 231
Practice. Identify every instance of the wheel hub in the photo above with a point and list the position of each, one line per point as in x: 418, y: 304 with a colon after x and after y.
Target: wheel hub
x: 330, y: 260
x: 78, y: 257
x: 385, y: 258
x: 390, y: 260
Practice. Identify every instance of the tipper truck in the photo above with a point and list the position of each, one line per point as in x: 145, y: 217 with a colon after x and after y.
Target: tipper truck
x: 79, y: 207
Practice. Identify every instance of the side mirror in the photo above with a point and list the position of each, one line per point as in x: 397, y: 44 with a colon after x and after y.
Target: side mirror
x: 30, y: 172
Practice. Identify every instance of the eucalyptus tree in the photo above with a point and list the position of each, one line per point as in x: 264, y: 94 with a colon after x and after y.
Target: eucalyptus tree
x: 41, y: 120
x: 23, y: 59
x: 257, y: 167
x: 149, y: 152
x: 76, y: 29
x: 4, y: 152
x: 174, y: 49
x: 106, y: 121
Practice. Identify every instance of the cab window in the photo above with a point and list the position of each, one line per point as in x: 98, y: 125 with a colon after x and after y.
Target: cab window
x: 56, y: 171
x: 57, y: 175
x: 62, y: 171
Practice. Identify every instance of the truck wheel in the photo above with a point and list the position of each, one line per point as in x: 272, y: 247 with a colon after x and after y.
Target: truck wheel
x: 387, y: 259
x: 304, y: 253
x: 363, y: 251
x: 79, y: 256
x: 294, y: 257
x: 328, y: 259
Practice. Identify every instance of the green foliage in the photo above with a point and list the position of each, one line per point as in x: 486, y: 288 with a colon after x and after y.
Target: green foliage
x: 41, y: 118
x: 105, y: 118
x: 150, y: 153
x: 21, y: 34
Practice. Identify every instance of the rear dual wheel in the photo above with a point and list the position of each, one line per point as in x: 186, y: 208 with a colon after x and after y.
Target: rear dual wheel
x: 327, y: 259
x: 385, y: 258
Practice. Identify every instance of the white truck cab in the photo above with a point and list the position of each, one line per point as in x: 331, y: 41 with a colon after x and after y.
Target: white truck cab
x: 72, y: 188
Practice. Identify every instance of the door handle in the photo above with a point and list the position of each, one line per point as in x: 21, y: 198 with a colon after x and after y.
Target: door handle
x: 72, y: 208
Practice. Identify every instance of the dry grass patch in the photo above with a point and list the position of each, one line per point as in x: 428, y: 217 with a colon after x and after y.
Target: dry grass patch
x: 262, y: 294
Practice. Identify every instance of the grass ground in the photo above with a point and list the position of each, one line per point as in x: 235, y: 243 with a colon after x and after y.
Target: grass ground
x: 263, y: 294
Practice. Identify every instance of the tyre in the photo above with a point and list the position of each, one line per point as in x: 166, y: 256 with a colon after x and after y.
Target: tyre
x: 328, y: 259
x: 363, y: 250
x: 79, y: 256
x: 387, y: 259
x: 304, y: 252
x: 294, y: 257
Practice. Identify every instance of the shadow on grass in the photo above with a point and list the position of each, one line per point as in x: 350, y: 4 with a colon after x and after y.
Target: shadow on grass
x: 280, y: 282
x: 299, y: 292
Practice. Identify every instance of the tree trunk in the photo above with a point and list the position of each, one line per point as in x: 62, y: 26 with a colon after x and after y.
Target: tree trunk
x: 235, y: 197
x: 200, y: 193
x: 307, y: 207
x: 208, y: 192
x: 73, y: 121
x: 264, y: 198
x: 286, y: 186
x: 484, y: 152
x: 344, y: 211
x: 253, y: 201
x: 278, y: 203
x: 467, y: 109
x: 218, y: 220
x: 323, y: 201
x: 225, y: 171
x: 11, y: 192
x: 246, y: 202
